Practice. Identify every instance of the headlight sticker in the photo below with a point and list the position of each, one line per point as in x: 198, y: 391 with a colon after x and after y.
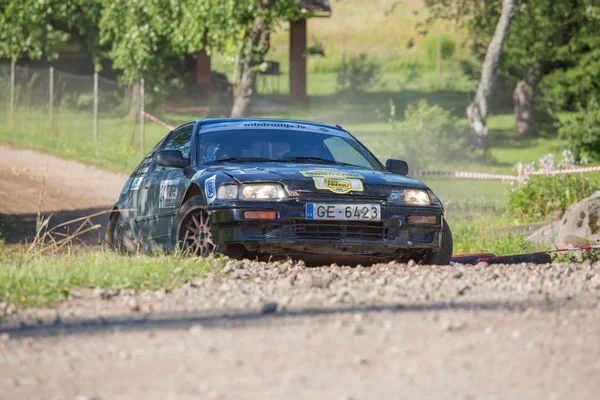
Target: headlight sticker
x: 330, y: 173
x: 338, y: 186
x: 210, y: 189
x: 168, y: 194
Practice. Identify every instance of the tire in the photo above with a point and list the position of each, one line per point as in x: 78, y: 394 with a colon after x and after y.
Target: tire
x: 443, y: 255
x: 194, y: 230
x: 120, y: 236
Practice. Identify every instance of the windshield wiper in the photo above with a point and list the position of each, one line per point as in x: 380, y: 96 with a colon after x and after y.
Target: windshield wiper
x: 243, y: 159
x: 319, y: 159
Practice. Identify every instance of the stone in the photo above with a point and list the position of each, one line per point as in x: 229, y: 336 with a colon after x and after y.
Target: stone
x: 269, y: 307
x: 580, y: 226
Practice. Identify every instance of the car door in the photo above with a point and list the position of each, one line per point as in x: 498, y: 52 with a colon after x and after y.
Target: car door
x: 163, y: 189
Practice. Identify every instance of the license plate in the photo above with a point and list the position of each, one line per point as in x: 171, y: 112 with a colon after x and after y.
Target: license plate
x: 357, y: 212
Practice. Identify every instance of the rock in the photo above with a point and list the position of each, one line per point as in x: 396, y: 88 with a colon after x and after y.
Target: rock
x: 546, y: 235
x: 580, y: 226
x: 457, y: 275
x: 196, y: 329
x: 269, y: 307
x: 105, y: 294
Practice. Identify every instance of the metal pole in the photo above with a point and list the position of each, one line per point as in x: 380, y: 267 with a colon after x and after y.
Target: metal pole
x: 142, y: 145
x: 12, y: 94
x: 95, y: 107
x: 51, y: 91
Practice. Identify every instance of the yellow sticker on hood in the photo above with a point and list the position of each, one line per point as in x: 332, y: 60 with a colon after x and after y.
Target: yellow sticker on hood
x: 339, y: 186
x: 330, y: 173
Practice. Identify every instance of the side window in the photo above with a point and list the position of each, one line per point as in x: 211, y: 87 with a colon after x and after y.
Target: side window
x: 181, y: 140
x: 145, y: 164
x: 343, y: 151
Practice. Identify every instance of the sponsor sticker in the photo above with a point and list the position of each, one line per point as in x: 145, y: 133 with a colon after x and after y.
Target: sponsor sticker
x: 168, y: 194
x: 210, y: 189
x: 330, y: 173
x: 197, y: 174
x: 339, y: 186
x: 137, y: 182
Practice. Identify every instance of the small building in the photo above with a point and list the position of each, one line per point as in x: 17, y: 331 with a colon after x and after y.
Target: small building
x: 297, y: 54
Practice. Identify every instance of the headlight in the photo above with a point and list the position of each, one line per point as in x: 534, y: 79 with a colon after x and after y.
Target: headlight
x: 270, y: 191
x: 263, y: 192
x: 413, y: 197
x: 227, y: 192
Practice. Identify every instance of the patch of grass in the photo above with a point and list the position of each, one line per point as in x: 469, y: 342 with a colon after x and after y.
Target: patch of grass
x: 480, y: 235
x: 41, y: 281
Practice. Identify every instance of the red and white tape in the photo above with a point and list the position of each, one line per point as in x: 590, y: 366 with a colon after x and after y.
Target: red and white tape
x: 564, y: 171
x: 567, y: 249
x: 158, y: 121
x: 463, y: 174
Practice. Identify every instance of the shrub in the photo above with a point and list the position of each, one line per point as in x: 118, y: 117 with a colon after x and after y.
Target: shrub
x: 358, y: 73
x: 431, y: 47
x: 537, y: 197
x: 427, y: 135
x: 583, y: 132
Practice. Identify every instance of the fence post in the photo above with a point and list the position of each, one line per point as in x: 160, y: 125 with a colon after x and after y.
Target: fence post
x: 12, y: 94
x: 142, y: 145
x: 51, y: 91
x: 95, y: 107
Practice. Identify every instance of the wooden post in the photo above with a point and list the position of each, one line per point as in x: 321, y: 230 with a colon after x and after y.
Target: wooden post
x: 51, y: 91
x: 298, y: 60
x: 142, y: 145
x: 12, y: 94
x: 95, y: 107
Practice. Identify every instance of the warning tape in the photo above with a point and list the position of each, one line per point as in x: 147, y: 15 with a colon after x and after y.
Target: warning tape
x: 564, y: 171
x: 567, y: 249
x: 462, y: 174
x: 453, y: 174
x: 158, y: 121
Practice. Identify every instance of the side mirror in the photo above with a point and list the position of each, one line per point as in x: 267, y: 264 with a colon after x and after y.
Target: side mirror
x: 172, y: 159
x: 399, y: 167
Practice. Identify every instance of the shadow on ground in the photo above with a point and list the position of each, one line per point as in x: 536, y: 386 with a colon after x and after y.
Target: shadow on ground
x: 21, y: 228
x: 235, y: 319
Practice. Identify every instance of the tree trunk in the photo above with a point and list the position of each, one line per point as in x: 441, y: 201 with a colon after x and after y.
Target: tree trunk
x: 524, y: 97
x: 477, y: 111
x: 252, y: 55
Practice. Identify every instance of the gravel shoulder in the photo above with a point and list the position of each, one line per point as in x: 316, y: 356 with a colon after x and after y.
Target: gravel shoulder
x: 387, y: 331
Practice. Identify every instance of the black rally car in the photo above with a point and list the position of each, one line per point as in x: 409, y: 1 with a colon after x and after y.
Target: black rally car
x: 246, y: 187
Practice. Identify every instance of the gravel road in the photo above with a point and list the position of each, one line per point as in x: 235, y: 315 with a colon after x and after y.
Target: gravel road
x: 283, y: 330
x: 286, y: 331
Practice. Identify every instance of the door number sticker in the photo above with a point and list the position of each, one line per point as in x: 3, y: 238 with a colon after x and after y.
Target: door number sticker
x: 168, y: 194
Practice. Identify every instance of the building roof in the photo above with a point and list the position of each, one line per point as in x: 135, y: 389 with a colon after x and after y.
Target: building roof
x: 322, y: 7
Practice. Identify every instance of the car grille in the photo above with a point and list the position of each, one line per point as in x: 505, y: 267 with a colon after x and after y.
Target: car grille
x: 341, y: 230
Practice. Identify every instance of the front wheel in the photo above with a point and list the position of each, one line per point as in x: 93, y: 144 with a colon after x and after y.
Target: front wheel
x: 443, y: 255
x: 195, y: 235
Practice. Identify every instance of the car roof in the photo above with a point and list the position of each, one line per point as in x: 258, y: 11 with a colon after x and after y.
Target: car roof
x: 268, y: 123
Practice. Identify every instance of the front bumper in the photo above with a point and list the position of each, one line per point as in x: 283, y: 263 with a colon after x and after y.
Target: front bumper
x: 291, y: 233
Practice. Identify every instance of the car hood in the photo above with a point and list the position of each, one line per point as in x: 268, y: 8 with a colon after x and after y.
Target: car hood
x: 321, y: 179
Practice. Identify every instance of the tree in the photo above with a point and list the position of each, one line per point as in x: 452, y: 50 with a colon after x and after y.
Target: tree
x: 477, y: 111
x: 34, y: 29
x: 552, y: 49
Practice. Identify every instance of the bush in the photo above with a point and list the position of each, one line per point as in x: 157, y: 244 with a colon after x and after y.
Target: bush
x: 427, y: 136
x: 583, y: 132
x: 537, y: 197
x: 431, y: 47
x: 358, y: 73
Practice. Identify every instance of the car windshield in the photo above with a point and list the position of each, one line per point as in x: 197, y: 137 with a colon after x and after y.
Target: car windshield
x: 278, y: 145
